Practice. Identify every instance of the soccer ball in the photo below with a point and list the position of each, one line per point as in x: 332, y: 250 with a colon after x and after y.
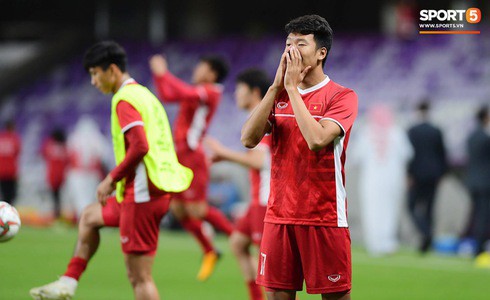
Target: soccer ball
x: 9, y: 221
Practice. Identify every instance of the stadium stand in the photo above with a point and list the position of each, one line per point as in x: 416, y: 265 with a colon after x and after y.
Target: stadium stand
x: 453, y: 71
x: 381, y: 69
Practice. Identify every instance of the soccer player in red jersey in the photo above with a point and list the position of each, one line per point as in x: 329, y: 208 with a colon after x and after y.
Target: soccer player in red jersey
x: 306, y: 236
x: 143, y: 204
x: 55, y: 155
x: 10, y: 145
x: 198, y: 104
x: 251, y: 86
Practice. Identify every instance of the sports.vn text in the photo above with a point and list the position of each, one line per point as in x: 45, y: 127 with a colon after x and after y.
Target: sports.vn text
x: 435, y: 26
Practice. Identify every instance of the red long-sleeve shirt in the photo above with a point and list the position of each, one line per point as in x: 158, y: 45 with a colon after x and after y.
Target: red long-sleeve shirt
x: 56, y: 156
x: 198, y: 105
x: 10, y: 144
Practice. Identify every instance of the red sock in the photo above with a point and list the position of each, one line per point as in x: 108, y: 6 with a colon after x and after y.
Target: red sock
x: 254, y: 290
x: 195, y: 228
x: 218, y: 220
x: 76, y: 267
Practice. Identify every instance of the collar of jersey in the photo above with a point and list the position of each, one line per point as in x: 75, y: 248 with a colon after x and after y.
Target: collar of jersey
x: 315, y: 87
x: 126, y: 82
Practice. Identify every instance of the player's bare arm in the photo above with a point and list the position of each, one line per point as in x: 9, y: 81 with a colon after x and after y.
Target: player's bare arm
x: 317, y: 134
x: 251, y: 159
x: 171, y: 88
x: 257, y: 124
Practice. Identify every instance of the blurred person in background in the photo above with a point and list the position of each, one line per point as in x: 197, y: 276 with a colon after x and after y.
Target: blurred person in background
x: 426, y: 169
x: 147, y: 172
x: 198, y: 104
x: 10, y: 146
x: 478, y: 177
x: 382, y: 151
x: 406, y: 14
x: 56, y: 157
x: 251, y: 86
x: 87, y: 148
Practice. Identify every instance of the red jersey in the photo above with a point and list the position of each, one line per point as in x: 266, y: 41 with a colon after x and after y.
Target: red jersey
x: 138, y: 186
x: 9, y: 154
x: 307, y: 187
x: 56, y: 157
x: 260, y: 179
x: 197, y: 107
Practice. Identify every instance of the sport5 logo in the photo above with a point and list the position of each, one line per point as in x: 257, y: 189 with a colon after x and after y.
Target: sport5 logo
x: 471, y: 15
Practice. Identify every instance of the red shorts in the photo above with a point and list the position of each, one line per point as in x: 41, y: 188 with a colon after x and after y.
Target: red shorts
x: 319, y: 255
x: 252, y: 223
x: 195, y: 160
x: 139, y: 223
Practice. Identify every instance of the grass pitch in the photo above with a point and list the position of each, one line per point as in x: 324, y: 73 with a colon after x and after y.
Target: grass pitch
x: 37, y: 256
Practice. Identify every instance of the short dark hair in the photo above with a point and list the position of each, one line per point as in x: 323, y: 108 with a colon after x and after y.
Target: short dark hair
x: 424, y: 106
x: 58, y: 135
x: 103, y: 54
x: 217, y: 64
x: 316, y: 25
x: 482, y: 114
x: 254, y: 78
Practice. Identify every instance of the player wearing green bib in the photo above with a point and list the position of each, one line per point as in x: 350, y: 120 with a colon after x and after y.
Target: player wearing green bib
x: 161, y: 162
x: 146, y: 172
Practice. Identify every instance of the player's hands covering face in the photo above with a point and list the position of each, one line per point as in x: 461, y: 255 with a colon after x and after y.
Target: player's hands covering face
x: 294, y: 68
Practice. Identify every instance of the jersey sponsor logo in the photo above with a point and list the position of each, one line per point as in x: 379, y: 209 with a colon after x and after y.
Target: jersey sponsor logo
x: 334, y: 277
x: 124, y: 239
x: 282, y: 105
x: 263, y: 257
x: 315, y: 107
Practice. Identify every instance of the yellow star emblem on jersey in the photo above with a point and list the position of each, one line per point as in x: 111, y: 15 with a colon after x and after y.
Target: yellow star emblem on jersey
x: 315, y: 107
